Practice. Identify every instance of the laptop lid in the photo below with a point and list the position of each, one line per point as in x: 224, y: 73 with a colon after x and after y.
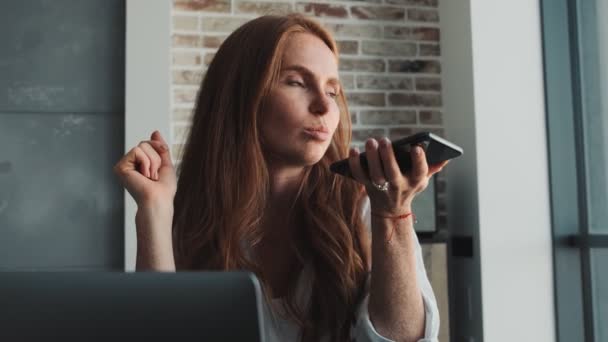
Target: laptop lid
x: 86, y: 306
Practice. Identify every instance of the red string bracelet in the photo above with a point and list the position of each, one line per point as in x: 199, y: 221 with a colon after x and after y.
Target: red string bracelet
x: 395, y: 218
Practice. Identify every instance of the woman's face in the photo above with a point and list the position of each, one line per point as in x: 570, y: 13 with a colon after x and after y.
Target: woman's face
x: 302, y: 114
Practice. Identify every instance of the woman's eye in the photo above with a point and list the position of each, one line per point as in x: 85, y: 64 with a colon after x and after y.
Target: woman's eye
x: 295, y: 83
x: 332, y: 95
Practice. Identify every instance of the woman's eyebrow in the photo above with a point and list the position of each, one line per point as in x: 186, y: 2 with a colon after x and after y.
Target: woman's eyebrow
x: 306, y: 72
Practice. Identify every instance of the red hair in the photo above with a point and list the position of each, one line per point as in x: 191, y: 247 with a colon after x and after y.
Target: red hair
x: 224, y: 182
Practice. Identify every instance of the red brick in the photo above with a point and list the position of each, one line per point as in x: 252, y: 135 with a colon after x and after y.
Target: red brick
x: 347, y: 81
x: 388, y: 117
x: 186, y: 58
x: 425, y: 50
x: 366, y: 99
x: 362, y: 134
x: 222, y: 24
x: 263, y: 8
x: 425, y: 33
x: 213, y: 42
x: 383, y: 82
x: 388, y: 48
x: 186, y: 23
x: 362, y: 64
x: 187, y: 77
x: 348, y: 47
x: 397, y: 32
x: 428, y: 83
x: 428, y: 3
x: 187, y: 40
x: 411, y: 33
x: 414, y: 66
x: 358, y: 30
x: 378, y: 12
x: 202, y: 5
x: 430, y: 117
x: 426, y: 15
x: 322, y: 10
x: 418, y: 100
x: 185, y: 95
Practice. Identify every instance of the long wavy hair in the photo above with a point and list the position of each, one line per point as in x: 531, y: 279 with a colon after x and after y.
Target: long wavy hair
x: 223, y: 183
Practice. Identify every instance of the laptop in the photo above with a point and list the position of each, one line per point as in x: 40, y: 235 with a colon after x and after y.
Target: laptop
x: 116, y: 306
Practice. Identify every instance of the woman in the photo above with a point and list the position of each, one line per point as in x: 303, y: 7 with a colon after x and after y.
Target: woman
x: 255, y: 193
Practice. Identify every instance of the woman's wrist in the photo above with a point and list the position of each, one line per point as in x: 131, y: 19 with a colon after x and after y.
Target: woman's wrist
x: 387, y: 221
x: 154, y: 239
x: 154, y: 219
x: 391, y: 212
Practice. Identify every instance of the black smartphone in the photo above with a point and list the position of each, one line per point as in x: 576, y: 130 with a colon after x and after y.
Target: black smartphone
x: 436, y: 148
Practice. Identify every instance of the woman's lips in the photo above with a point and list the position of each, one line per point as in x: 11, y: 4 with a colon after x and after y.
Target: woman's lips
x: 320, y: 134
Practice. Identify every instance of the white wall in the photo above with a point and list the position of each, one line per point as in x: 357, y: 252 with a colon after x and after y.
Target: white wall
x: 147, y: 104
x: 461, y: 174
x: 498, y: 192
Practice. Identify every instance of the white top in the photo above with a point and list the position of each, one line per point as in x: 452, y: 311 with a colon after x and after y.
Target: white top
x: 278, y: 329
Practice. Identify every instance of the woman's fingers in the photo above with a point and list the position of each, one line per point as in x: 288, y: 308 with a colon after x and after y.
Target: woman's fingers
x: 420, y: 168
x: 433, y: 169
x: 142, y: 161
x: 133, y: 165
x: 153, y: 156
x: 149, y: 160
x: 389, y: 162
x: 355, y: 166
x: 162, y: 149
x: 376, y: 173
x: 158, y: 152
x: 156, y: 136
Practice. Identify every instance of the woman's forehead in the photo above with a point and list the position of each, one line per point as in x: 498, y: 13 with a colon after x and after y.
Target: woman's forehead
x: 309, y: 51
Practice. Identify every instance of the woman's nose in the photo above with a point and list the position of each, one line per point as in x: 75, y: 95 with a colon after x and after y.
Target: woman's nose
x: 320, y: 103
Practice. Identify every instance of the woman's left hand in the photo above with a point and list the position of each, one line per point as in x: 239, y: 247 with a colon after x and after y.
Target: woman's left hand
x: 383, y: 167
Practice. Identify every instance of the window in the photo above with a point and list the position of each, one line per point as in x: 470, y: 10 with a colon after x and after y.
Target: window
x: 575, y: 35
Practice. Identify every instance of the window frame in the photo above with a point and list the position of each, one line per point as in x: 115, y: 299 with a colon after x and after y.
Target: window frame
x: 572, y: 240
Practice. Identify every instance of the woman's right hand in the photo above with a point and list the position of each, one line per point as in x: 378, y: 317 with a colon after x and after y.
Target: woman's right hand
x: 147, y: 172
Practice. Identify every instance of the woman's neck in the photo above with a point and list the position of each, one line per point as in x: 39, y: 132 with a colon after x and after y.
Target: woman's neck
x: 284, y: 184
x: 276, y: 250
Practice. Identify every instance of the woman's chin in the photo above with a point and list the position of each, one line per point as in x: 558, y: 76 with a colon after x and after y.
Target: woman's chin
x: 313, y: 156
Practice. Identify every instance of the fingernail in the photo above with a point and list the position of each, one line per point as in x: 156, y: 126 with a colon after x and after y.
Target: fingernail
x: 371, y: 143
x: 356, y: 150
x: 417, y: 149
x: 384, y: 142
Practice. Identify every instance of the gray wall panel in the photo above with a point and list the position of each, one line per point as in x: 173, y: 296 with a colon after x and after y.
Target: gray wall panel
x: 61, y: 55
x: 60, y: 204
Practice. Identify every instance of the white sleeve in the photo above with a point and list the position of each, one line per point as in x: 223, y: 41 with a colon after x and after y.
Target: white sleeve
x: 364, y: 331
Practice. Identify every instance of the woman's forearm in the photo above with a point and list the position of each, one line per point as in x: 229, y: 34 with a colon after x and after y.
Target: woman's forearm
x: 154, y: 241
x: 396, y: 307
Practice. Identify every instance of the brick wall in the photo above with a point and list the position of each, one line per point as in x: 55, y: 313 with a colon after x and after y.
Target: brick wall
x: 390, y: 63
x: 390, y: 68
